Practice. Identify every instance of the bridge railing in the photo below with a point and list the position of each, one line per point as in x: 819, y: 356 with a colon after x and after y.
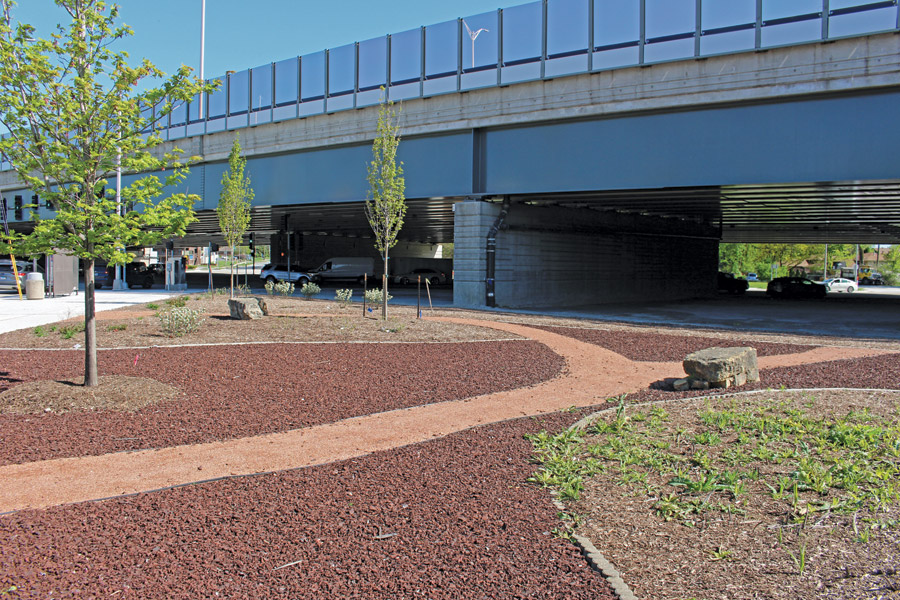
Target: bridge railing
x: 538, y: 40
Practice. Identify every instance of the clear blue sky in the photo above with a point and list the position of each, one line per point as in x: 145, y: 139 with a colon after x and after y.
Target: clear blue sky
x: 247, y: 33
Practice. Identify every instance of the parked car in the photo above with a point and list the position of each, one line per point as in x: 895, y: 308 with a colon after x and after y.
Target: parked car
x: 136, y: 274
x: 433, y: 276
x: 8, y: 277
x: 345, y: 268
x: 727, y: 282
x: 102, y: 276
x: 299, y: 276
x: 839, y: 284
x: 752, y: 277
x: 795, y: 287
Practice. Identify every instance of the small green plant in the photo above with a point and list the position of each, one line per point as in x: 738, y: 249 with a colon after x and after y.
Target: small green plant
x: 343, y: 297
x: 800, y: 557
x: 177, y: 302
x: 180, y: 321
x: 270, y: 287
x: 309, y: 290
x: 374, y: 296
x: 243, y: 289
x: 39, y: 331
x: 152, y: 306
x: 70, y: 331
x: 285, y: 288
x: 118, y: 327
x: 721, y: 553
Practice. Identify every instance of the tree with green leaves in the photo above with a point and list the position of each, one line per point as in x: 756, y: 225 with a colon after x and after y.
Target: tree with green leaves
x: 386, y: 199
x: 75, y: 116
x: 234, y: 201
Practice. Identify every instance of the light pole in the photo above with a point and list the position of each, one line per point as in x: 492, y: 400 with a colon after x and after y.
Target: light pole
x: 118, y: 284
x: 202, y: 50
x: 474, y: 36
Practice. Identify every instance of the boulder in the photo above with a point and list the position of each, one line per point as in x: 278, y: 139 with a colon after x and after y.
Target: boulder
x: 722, y: 367
x: 245, y: 308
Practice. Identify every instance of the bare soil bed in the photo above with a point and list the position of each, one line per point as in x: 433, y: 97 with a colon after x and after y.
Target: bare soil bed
x: 290, y: 320
x: 756, y: 543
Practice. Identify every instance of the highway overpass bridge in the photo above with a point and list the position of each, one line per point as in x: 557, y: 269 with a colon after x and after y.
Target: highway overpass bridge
x: 574, y: 153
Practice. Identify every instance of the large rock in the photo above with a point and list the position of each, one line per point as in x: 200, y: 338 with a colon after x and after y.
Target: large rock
x: 722, y: 367
x: 247, y: 308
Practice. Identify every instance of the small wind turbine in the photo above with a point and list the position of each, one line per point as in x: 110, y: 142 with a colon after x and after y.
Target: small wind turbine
x: 473, y: 36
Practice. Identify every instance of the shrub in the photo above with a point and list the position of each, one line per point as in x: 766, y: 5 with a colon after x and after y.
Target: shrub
x: 69, y: 332
x: 243, y: 289
x: 309, y: 290
x: 343, y: 297
x: 179, y: 321
x: 152, y: 306
x: 39, y: 331
x: 375, y: 296
x: 270, y: 287
x: 284, y: 288
x: 177, y: 302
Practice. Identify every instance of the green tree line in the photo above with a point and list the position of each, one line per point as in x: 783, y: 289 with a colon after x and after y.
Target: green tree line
x: 759, y: 258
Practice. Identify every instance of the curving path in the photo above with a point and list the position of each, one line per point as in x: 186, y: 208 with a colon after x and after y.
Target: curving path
x: 592, y: 374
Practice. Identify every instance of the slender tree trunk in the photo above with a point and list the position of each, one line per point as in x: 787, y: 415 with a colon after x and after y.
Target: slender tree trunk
x: 90, y: 327
x: 384, y: 288
x: 232, y: 274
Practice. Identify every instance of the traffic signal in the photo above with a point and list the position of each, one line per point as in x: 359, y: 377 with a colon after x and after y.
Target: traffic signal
x: 252, y: 246
x: 214, y: 247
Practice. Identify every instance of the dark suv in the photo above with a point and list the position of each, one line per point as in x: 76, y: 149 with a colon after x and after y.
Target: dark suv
x: 136, y: 274
x: 729, y: 283
x: 795, y: 287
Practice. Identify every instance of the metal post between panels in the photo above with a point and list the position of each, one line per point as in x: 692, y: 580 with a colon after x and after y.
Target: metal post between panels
x: 387, y: 70
x: 327, y: 82
x: 643, y: 25
x: 459, y: 53
x: 299, y: 87
x: 698, y: 26
x: 590, y: 25
x: 543, y: 38
x: 758, y: 41
x: 422, y: 63
x: 499, y: 47
x: 825, y: 19
x: 355, y: 72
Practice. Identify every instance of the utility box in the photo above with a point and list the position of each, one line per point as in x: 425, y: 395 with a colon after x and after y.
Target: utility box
x: 62, y: 274
x: 175, y: 275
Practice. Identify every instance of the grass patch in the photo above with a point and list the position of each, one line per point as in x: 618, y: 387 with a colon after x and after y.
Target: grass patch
x: 772, y: 459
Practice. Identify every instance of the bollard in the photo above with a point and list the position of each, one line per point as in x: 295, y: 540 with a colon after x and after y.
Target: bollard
x: 34, y: 286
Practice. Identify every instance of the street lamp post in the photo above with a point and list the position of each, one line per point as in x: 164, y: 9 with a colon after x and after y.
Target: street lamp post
x: 202, y: 49
x: 118, y: 284
x: 474, y: 36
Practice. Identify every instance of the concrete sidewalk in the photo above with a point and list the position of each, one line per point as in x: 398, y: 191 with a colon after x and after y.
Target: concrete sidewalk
x: 24, y: 314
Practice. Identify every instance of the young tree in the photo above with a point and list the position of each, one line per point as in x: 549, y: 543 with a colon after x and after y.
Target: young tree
x: 386, y: 200
x: 74, y: 117
x: 234, y: 201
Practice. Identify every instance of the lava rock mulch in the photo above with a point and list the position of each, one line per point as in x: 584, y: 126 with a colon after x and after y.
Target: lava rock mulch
x: 448, y: 518
x: 238, y: 391
x: 658, y: 347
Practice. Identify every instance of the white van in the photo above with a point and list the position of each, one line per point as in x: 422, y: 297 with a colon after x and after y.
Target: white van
x: 349, y: 268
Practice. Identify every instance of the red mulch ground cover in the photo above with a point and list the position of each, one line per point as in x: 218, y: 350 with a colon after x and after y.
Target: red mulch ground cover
x: 657, y: 347
x: 238, y: 391
x: 456, y: 518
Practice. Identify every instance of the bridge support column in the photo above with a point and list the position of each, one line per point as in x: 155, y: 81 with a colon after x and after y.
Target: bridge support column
x: 566, y: 257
